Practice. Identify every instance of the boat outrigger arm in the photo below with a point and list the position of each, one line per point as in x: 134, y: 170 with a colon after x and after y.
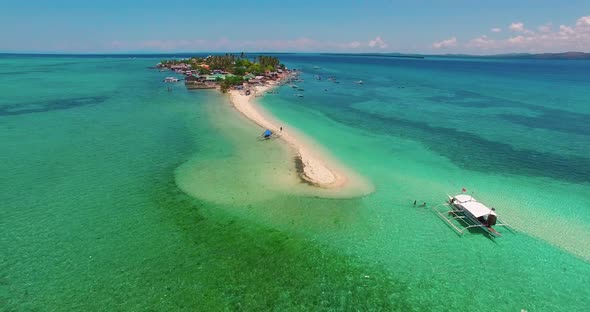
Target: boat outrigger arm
x: 466, y: 213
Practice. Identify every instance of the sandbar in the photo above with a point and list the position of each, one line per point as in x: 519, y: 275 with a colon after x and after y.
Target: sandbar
x: 314, y: 166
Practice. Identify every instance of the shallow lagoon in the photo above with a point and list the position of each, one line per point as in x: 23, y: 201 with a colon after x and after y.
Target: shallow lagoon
x: 96, y: 219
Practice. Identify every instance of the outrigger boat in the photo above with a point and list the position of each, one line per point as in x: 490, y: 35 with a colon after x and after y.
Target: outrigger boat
x: 467, y: 213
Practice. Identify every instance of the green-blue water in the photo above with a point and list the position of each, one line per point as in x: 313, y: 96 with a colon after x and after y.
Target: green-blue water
x: 96, y: 156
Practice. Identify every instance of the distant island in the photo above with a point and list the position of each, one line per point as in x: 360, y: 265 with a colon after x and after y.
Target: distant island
x: 532, y: 56
x: 226, y: 72
x: 537, y: 56
x: 550, y: 56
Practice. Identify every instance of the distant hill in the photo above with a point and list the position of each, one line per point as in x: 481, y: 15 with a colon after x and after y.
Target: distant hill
x: 538, y: 56
x: 552, y: 56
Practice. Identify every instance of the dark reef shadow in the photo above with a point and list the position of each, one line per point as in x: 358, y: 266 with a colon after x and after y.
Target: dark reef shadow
x: 50, y: 105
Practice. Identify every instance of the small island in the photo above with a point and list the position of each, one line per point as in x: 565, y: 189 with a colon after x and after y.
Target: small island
x: 229, y: 71
x: 244, y: 79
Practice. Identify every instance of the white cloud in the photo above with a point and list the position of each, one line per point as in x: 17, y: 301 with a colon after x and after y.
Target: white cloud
x: 496, y: 29
x: 377, y: 42
x: 482, y: 42
x: 354, y: 44
x: 517, y: 39
x: 545, y: 28
x: 565, y: 31
x: 517, y: 26
x: 528, y: 32
x: 583, y: 21
x: 445, y: 43
x: 302, y: 44
x: 546, y: 39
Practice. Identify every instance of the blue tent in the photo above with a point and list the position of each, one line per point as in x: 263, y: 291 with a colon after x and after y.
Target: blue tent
x: 267, y: 133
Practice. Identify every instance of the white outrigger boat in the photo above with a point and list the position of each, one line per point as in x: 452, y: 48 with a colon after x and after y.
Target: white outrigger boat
x: 467, y: 213
x: 171, y: 79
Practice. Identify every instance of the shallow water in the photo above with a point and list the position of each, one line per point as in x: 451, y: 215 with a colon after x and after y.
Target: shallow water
x: 119, y: 195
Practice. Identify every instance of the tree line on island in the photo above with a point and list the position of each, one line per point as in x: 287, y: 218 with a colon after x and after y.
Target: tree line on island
x: 236, y: 65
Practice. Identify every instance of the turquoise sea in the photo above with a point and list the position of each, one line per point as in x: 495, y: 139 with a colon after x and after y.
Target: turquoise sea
x: 119, y: 195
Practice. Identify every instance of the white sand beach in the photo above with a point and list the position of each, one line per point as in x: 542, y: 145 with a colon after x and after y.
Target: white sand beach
x: 316, y: 168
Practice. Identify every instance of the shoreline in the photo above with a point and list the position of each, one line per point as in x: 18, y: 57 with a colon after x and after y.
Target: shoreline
x: 313, y: 167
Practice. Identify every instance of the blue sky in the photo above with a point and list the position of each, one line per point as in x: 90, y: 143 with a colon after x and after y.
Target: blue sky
x: 301, y: 26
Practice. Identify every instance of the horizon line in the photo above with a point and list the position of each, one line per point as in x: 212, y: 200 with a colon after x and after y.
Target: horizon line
x: 270, y: 52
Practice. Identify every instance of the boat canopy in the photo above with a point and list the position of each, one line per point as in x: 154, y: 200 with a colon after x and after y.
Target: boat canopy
x: 267, y: 133
x: 463, y: 198
x: 476, y: 208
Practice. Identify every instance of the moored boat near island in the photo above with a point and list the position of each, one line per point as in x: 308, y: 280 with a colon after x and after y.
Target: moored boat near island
x: 226, y: 72
x: 171, y: 79
x: 244, y: 80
